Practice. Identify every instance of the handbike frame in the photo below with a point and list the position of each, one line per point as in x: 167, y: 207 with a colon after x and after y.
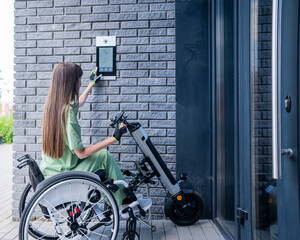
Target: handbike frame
x: 155, y: 161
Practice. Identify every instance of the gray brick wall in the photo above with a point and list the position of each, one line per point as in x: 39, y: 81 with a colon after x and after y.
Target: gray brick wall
x: 48, y: 32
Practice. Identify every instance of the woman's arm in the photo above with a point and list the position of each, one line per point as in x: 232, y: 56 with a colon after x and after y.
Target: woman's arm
x: 88, y: 151
x: 84, y: 95
x: 120, y: 129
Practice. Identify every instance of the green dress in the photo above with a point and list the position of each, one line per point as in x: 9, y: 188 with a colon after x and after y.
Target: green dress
x: 69, y: 161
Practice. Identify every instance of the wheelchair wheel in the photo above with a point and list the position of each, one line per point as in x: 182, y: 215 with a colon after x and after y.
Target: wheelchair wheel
x: 25, y: 197
x: 71, y: 205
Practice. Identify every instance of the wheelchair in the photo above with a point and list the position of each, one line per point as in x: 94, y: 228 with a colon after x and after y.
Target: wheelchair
x: 80, y: 205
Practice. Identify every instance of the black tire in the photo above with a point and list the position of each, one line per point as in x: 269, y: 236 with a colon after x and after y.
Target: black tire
x: 180, y: 218
x: 130, y: 236
x: 50, y: 185
x: 24, y: 199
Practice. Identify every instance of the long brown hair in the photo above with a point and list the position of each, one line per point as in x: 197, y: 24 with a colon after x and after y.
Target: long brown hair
x: 63, y: 89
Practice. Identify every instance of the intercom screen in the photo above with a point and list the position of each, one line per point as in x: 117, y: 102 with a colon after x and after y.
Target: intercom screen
x: 105, y: 59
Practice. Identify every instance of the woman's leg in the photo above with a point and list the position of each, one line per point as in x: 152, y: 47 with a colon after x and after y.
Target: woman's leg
x: 104, y: 160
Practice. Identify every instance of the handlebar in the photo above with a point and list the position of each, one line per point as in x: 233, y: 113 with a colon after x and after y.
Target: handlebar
x: 120, y: 118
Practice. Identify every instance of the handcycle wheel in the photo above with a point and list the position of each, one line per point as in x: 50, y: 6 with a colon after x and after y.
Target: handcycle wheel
x: 181, y: 218
x: 75, y: 205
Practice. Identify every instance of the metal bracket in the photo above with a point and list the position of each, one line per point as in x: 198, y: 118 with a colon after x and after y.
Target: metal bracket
x: 241, y: 216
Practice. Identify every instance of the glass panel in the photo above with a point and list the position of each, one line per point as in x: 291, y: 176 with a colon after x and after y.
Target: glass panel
x: 225, y: 115
x: 264, y: 195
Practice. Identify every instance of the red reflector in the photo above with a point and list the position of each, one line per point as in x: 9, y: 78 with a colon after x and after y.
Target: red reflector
x: 77, y: 210
x: 71, y: 213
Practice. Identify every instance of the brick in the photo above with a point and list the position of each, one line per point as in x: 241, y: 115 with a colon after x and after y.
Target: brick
x: 26, y: 28
x: 152, y: 115
x: 77, y: 43
x: 126, y: 65
x: 39, y: 51
x: 19, y: 84
x: 152, y: 32
x: 162, y: 56
x: 39, y: 67
x: 42, y: 35
x: 50, y: 27
x: 105, y: 107
x: 93, y: 115
x: 122, y: 16
x: 25, y: 12
x: 49, y: 59
x: 36, y: 99
x: 133, y: 73
x: 151, y: 15
x: 40, y: 20
x: 94, y: 18
x: 39, y: 4
x: 24, y: 75
x: 34, y: 132
x: 162, y: 73
x: 123, y: 33
x: 20, y: 20
x: 153, y: 48
x: 134, y: 107
x: 78, y: 10
x: 23, y: 60
x: 106, y: 25
x: 67, y: 51
x: 67, y: 19
x: 162, y: 90
x: 20, y: 36
x: 18, y: 5
x: 134, y: 8
x: 50, y: 43
x: 20, y: 52
x: 162, y: 7
x: 79, y: 58
x: 122, y: 98
x: 152, y: 98
x: 134, y: 90
x: 19, y: 115
x: 152, y: 65
x: 134, y: 57
x: 106, y: 9
x: 24, y: 91
x: 39, y: 83
x: 135, y: 41
x: 162, y: 24
x: 157, y: 40
x: 22, y: 139
x: 94, y: 132
x: 64, y: 3
x: 162, y: 107
x: 93, y: 34
x: 135, y: 24
x: 66, y: 35
x: 93, y: 2
x: 50, y: 11
x: 152, y: 81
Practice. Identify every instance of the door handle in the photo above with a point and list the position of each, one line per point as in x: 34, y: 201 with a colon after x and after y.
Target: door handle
x: 276, y: 143
x: 287, y: 152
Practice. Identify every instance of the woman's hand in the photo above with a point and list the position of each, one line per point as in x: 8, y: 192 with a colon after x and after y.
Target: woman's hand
x: 119, y: 131
x: 93, y: 77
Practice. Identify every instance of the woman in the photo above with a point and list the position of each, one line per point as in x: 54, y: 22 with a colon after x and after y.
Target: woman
x: 62, y: 148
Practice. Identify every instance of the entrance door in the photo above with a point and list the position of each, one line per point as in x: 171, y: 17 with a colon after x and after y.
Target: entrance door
x: 272, y: 200
x: 288, y: 124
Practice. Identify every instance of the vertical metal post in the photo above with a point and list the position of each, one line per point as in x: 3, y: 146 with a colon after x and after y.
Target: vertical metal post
x: 276, y: 171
